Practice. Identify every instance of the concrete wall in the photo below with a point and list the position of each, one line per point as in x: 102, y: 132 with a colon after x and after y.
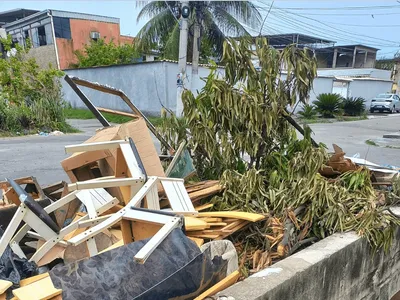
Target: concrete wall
x: 146, y: 84
x: 80, y: 36
x: 44, y: 56
x: 341, y: 266
x: 368, y: 89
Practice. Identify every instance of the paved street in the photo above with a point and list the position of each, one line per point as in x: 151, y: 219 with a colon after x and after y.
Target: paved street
x: 351, y: 137
x: 40, y: 156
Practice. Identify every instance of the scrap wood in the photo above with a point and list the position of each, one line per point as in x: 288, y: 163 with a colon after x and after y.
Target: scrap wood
x: 193, y: 187
x: 42, y: 289
x: 223, y: 284
x: 204, y: 193
x: 204, y: 206
x: 252, y: 217
x: 117, y: 112
x: 211, y: 220
x: 32, y: 279
x: 339, y: 163
x: 192, y: 224
x: 199, y: 242
x: 4, y: 285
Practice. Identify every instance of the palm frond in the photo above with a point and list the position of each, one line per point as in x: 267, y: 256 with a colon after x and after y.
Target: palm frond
x: 244, y: 11
x: 212, y: 32
x: 155, y: 30
x: 153, y: 8
x: 171, y: 50
x: 228, y: 23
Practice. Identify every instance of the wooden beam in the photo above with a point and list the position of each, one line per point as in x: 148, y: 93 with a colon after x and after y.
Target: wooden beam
x: 41, y: 290
x: 118, y: 113
x: 233, y: 214
x: 93, y: 184
x: 223, y: 284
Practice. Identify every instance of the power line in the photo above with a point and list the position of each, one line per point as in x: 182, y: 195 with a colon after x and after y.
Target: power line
x: 327, y: 33
x: 342, y: 14
x: 345, y: 7
x: 341, y: 30
x: 270, y: 7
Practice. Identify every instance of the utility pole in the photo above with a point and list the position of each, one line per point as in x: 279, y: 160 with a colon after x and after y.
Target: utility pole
x: 183, y: 41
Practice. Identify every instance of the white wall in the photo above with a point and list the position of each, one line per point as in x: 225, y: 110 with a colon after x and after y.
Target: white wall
x: 368, y: 89
x: 146, y: 84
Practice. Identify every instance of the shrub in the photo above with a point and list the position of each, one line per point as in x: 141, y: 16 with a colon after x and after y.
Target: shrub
x: 308, y: 112
x: 30, y: 97
x: 354, y: 106
x: 329, y: 105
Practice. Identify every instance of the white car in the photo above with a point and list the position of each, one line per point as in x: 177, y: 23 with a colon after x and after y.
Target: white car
x: 385, y: 102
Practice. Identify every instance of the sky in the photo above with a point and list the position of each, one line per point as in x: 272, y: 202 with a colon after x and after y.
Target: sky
x: 368, y: 22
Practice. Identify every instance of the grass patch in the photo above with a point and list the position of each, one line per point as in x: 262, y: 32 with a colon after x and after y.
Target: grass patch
x: 350, y: 118
x: 84, y: 114
x: 371, y: 143
x: 315, y: 121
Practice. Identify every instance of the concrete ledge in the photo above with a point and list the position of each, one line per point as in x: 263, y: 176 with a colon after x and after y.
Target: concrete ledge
x: 341, y: 266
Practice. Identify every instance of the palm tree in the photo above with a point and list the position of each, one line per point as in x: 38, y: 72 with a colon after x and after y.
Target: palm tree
x: 209, y: 23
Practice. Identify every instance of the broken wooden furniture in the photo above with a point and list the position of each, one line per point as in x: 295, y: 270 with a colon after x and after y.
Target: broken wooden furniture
x: 218, y: 225
x: 130, y: 174
x: 37, y: 218
x: 177, y: 197
x: 32, y: 187
x: 168, y: 220
x: 75, y: 81
x: 88, y: 165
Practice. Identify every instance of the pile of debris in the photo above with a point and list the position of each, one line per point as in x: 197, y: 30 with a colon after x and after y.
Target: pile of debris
x: 106, y: 234
x: 114, y: 224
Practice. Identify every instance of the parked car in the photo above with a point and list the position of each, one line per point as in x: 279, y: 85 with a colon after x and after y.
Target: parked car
x: 385, y: 102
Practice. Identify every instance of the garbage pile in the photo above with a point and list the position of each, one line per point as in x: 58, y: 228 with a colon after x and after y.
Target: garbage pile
x: 132, y: 225
x: 110, y: 229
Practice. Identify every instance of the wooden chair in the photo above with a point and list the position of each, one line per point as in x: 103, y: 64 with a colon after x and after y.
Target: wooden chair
x: 38, y: 219
x: 177, y: 196
x: 129, y: 171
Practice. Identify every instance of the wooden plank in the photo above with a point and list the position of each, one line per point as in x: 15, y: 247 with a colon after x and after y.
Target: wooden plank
x: 199, y: 242
x: 192, y: 224
x: 5, y: 285
x: 212, y: 220
x: 53, y: 187
x: 126, y: 230
x: 204, y: 206
x: 233, y: 230
x: 113, y: 246
x: 233, y: 214
x: 142, y: 230
x: 82, y: 159
x: 218, y: 224
x: 107, y: 145
x: 41, y: 290
x: 93, y: 184
x: 203, y: 235
x: 11, y: 197
x: 193, y: 187
x: 201, y: 194
x: 32, y: 279
x: 223, y: 284
x: 117, y: 112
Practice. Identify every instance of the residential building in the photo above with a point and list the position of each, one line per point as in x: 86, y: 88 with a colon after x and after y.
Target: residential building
x: 55, y: 35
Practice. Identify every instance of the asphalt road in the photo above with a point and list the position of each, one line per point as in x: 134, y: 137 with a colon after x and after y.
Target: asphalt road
x: 352, y: 137
x: 40, y: 156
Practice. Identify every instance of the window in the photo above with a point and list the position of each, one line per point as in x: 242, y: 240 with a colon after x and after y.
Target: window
x: 62, y: 28
x: 42, y: 36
